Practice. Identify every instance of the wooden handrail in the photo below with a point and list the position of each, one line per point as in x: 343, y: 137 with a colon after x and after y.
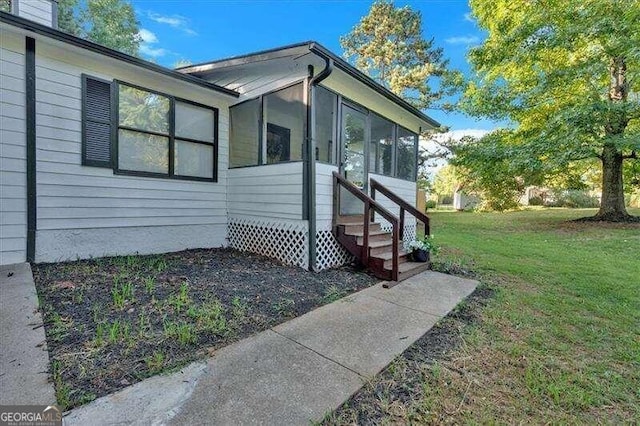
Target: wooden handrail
x: 370, y: 206
x: 404, y: 206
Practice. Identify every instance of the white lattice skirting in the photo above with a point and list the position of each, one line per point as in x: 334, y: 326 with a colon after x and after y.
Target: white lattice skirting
x: 282, y: 240
x: 329, y: 252
x: 409, y: 232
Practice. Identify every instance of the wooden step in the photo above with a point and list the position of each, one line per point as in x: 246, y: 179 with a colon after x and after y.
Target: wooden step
x: 409, y: 269
x: 373, y: 236
x: 387, y: 258
x: 355, y: 229
x: 382, y: 246
x: 350, y: 219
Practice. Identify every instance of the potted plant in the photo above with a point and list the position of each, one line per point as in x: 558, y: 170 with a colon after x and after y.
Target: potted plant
x: 422, y: 247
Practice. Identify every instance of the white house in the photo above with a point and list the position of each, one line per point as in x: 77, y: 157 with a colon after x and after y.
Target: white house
x: 106, y: 154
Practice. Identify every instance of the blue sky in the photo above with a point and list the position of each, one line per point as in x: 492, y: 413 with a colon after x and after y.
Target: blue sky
x: 202, y: 30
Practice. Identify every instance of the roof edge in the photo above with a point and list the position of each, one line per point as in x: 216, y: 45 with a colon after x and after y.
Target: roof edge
x: 192, y: 68
x: 322, y: 51
x: 365, y: 79
x: 55, y: 34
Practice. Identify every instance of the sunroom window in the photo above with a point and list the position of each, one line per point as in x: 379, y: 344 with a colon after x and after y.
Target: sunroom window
x: 284, y: 113
x: 326, y: 104
x: 269, y: 129
x: 244, y: 134
x: 406, y: 154
x: 381, y: 147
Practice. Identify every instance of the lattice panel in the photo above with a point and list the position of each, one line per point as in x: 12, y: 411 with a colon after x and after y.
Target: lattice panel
x: 285, y: 241
x: 409, y: 232
x: 329, y: 252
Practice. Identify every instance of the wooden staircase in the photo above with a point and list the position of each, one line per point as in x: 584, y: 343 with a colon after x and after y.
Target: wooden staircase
x: 380, y: 251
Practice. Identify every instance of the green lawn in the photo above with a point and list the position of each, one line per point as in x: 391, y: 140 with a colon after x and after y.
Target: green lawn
x: 561, y: 340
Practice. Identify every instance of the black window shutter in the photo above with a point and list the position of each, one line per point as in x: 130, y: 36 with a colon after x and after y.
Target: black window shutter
x: 96, y: 122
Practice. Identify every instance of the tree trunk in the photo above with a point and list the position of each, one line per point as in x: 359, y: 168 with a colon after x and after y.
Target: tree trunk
x: 612, y: 207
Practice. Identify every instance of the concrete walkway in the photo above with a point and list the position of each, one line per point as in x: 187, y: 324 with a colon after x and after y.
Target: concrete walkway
x: 295, y: 372
x: 24, y: 361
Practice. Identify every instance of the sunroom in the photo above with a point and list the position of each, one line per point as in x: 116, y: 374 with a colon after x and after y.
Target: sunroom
x: 303, y: 114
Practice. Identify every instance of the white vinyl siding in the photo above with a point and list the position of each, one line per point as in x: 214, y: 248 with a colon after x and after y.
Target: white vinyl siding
x: 13, y: 153
x: 273, y: 191
x: 324, y: 195
x: 402, y: 188
x: 40, y: 11
x: 86, y: 211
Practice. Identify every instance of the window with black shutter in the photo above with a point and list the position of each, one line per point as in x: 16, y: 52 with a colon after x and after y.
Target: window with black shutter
x: 96, y: 122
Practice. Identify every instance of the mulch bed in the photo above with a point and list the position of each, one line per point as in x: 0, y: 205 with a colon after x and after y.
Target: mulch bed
x: 402, y: 383
x: 112, y: 322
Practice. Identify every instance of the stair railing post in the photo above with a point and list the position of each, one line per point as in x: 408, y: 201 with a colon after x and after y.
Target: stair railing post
x: 336, y: 197
x: 365, y: 234
x: 395, y: 271
x: 402, y: 223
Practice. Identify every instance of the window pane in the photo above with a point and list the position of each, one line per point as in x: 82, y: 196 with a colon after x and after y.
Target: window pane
x: 194, y: 122
x: 143, y: 110
x: 406, y: 154
x: 381, y: 145
x: 325, y: 112
x: 243, y: 134
x: 143, y: 152
x: 285, y: 115
x: 193, y: 159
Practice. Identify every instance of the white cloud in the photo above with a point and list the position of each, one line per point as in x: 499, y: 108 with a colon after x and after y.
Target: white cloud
x: 174, y: 21
x: 147, y: 36
x: 463, y: 40
x: 152, y: 52
x: 148, y: 44
x: 469, y: 17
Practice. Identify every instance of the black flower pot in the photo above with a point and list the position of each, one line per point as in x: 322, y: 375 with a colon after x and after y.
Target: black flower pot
x: 420, y: 255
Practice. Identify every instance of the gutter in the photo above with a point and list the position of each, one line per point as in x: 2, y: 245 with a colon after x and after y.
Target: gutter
x: 310, y: 165
x: 368, y: 81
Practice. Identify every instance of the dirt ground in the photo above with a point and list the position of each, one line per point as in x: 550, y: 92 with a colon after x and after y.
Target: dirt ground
x: 112, y: 322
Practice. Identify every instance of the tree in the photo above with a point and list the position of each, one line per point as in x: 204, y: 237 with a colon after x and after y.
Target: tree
x: 567, y: 75
x: 387, y: 44
x: 111, y: 23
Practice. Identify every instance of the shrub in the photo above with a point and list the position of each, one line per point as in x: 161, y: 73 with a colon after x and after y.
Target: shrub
x: 633, y: 199
x: 446, y: 199
x: 536, y: 201
x: 573, y: 199
x: 431, y: 204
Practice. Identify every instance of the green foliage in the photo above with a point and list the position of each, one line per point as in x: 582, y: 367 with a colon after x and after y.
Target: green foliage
x: 536, y: 201
x: 573, y: 198
x: 566, y: 78
x: 181, y: 299
x: 111, y: 23
x: 5, y: 5
x: 332, y: 294
x: 387, y: 44
x: 431, y: 204
x: 121, y: 292
x: 182, y: 331
x: 489, y: 168
x: 447, y: 181
x: 155, y: 362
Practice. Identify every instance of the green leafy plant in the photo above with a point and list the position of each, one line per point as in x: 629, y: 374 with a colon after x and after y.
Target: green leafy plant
x: 333, y: 293
x: 425, y: 243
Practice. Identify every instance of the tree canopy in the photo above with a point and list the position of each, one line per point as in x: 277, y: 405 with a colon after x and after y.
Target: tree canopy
x: 388, y: 45
x: 111, y: 23
x: 566, y: 75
